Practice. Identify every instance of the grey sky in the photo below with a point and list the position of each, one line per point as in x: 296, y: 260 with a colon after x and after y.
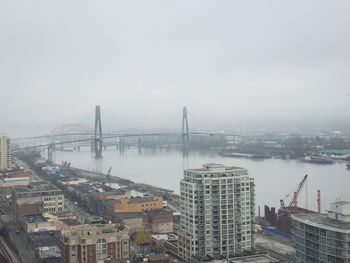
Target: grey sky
x: 230, y: 62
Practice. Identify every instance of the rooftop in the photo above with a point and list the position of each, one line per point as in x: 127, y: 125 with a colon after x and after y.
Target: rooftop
x: 341, y: 203
x: 216, y: 168
x: 254, y: 259
x: 142, y: 199
x: 87, y: 230
x: 48, y: 238
x: 323, y: 220
x: 35, y: 187
x: 33, y: 218
x: 138, y: 200
x: 159, y: 211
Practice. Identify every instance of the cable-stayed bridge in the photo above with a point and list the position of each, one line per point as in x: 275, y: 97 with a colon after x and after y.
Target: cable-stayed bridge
x: 80, y: 135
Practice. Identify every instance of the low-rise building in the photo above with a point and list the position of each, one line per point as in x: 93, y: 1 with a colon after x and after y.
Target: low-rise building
x: 38, y: 223
x: 156, y: 221
x: 46, y: 246
x: 27, y: 207
x: 137, y: 204
x: 11, y: 179
x: 323, y: 237
x: 95, y: 243
x: 134, y: 221
x: 159, y: 221
x: 50, y: 195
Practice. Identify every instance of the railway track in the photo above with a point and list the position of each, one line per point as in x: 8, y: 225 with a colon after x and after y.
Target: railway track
x: 8, y: 252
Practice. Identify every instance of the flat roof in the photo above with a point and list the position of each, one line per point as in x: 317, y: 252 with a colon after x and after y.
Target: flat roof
x: 138, y: 199
x: 254, y: 259
x: 33, y: 218
x: 322, y: 220
x: 341, y: 203
x: 216, y: 168
x: 35, y: 187
x: 102, y: 228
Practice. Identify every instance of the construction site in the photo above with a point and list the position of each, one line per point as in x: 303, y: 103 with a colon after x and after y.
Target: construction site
x: 280, y: 220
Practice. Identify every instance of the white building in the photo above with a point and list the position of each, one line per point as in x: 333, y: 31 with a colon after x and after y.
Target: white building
x: 323, y: 237
x: 217, y: 212
x: 5, y: 156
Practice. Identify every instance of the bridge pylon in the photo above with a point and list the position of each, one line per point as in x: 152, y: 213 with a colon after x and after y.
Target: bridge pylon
x: 98, y: 133
x: 50, y: 149
x: 185, y: 132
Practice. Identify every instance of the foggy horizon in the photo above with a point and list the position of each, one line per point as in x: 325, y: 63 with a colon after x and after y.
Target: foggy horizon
x: 233, y: 64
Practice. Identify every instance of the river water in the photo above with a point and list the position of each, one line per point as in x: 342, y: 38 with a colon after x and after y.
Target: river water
x: 274, y: 178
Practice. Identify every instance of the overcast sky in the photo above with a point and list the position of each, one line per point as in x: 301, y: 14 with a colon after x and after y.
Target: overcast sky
x: 231, y: 62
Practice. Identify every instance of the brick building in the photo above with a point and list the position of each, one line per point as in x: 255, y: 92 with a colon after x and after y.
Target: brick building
x: 155, y: 221
x: 26, y: 207
x: 94, y: 243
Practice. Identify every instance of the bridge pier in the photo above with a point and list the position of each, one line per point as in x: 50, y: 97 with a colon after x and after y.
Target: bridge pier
x: 50, y: 149
x: 121, y: 145
x: 139, y: 145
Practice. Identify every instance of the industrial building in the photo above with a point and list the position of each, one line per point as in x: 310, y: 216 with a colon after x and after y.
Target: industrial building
x: 217, y: 212
x: 321, y: 238
x: 12, y: 179
x: 95, y: 243
x: 5, y: 156
x: 49, y: 195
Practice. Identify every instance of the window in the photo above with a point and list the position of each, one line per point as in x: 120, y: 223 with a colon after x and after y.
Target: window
x: 101, y: 249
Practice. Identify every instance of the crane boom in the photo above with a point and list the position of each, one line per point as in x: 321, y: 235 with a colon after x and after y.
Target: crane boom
x: 294, y: 201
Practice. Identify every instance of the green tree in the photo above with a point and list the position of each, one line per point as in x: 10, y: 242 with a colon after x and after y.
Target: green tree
x: 142, y: 238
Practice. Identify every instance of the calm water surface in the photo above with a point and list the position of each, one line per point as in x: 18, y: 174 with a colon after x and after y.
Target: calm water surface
x: 274, y: 178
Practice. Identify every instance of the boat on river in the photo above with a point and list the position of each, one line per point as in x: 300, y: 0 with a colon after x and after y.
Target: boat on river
x: 316, y: 159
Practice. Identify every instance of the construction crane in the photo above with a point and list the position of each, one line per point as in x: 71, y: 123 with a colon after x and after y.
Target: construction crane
x: 294, y: 201
x: 282, y: 202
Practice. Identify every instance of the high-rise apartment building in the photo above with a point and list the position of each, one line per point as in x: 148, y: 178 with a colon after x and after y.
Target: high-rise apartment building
x: 217, y: 212
x: 95, y: 243
x: 322, y: 238
x: 5, y: 156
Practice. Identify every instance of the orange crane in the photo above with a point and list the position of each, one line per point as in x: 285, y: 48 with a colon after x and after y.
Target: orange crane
x: 294, y: 202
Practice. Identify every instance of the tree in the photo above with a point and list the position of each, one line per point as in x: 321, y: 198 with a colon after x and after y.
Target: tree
x: 142, y: 238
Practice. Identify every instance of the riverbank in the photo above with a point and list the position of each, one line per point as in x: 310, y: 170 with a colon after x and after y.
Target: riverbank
x: 140, y: 187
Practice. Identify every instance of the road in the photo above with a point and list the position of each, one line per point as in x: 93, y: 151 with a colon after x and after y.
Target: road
x: 82, y: 215
x: 26, y: 167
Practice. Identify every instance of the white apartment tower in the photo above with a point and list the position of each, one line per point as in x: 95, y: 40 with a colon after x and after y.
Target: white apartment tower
x: 217, y: 212
x: 5, y: 157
